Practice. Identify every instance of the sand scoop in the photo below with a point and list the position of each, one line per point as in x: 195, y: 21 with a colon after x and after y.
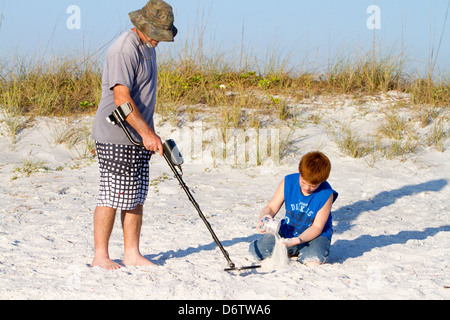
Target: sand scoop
x: 174, y: 159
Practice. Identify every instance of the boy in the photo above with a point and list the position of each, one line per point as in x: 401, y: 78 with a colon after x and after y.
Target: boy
x: 307, y: 227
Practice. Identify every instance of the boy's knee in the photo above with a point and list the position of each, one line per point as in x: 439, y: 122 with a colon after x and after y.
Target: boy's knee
x: 262, y: 249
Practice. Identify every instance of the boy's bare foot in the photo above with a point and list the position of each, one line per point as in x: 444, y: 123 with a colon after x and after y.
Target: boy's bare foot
x: 106, y: 264
x: 312, y: 264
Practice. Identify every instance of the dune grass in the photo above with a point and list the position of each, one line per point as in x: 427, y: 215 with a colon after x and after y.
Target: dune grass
x: 238, y: 92
x: 67, y: 86
x: 59, y: 86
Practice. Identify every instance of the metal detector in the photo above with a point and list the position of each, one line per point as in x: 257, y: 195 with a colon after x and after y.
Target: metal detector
x: 174, y: 159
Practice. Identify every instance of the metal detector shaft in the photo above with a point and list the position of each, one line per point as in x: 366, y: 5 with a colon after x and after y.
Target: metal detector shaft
x: 231, y: 265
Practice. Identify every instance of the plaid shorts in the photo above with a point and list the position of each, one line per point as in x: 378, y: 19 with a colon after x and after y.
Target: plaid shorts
x: 124, y: 176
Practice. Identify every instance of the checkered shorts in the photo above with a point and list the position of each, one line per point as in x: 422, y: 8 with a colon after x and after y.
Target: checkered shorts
x: 124, y: 176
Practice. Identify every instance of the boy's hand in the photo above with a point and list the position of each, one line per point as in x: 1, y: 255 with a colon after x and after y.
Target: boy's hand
x: 291, y: 242
x: 260, y: 224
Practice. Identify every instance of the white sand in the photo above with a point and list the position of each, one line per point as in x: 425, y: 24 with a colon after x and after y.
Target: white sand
x: 391, y: 223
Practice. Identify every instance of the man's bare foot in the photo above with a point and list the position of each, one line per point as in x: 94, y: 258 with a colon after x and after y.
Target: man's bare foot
x: 106, y: 264
x: 137, y: 261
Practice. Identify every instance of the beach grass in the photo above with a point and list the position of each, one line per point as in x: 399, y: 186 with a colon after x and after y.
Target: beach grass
x: 68, y: 86
x: 56, y: 86
x: 239, y: 93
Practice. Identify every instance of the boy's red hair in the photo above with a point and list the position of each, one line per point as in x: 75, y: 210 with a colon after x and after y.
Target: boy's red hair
x: 315, y: 167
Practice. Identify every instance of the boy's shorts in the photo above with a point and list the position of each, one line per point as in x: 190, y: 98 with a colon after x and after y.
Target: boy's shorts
x: 124, y: 176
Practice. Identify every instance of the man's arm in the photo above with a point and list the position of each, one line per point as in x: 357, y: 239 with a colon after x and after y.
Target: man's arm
x: 152, y: 142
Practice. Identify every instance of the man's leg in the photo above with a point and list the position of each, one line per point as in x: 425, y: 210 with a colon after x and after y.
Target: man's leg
x: 132, y: 223
x: 103, y: 225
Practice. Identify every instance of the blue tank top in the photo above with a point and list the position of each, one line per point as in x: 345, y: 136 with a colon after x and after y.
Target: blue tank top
x: 302, y: 210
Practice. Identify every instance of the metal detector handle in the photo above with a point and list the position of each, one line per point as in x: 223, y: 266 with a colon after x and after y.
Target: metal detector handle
x: 127, y: 132
x: 118, y: 117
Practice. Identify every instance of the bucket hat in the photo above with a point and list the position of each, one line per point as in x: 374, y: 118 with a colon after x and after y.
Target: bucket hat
x: 155, y: 20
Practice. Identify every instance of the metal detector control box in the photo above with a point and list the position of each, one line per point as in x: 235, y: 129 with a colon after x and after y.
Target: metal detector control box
x: 175, y: 154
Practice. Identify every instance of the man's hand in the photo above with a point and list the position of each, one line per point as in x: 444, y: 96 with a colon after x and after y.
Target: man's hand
x: 153, y: 143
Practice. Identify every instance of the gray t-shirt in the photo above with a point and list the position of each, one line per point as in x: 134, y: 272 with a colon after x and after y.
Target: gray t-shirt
x: 131, y: 63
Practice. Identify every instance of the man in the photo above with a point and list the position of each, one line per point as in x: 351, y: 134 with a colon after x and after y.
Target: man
x: 130, y: 79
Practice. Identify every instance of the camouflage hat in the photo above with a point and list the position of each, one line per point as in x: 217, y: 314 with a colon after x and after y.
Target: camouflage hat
x: 155, y: 20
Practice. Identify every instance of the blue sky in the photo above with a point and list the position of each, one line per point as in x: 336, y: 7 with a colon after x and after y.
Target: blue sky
x: 310, y: 32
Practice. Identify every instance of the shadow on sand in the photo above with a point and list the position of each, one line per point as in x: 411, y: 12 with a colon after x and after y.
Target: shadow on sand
x: 160, y: 258
x: 345, y: 215
x: 344, y: 249
x: 347, y: 249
